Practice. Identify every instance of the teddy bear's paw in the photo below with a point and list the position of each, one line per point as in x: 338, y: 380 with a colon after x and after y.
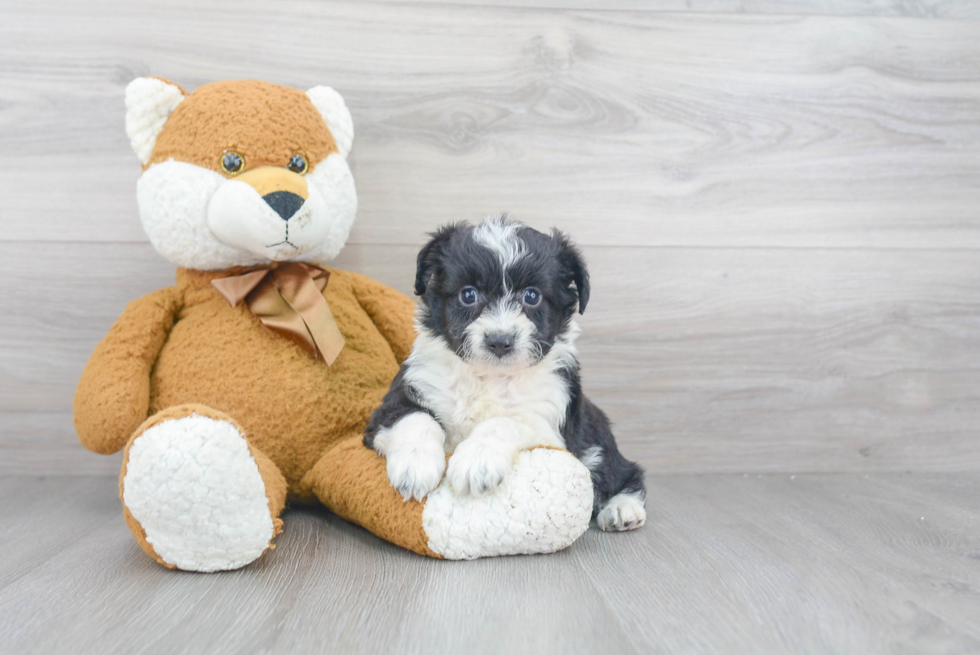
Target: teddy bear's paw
x: 543, y: 505
x: 623, y: 511
x: 196, y: 491
x: 480, y: 463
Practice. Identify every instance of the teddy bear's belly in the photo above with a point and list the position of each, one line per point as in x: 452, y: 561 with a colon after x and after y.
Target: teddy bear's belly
x: 292, y: 406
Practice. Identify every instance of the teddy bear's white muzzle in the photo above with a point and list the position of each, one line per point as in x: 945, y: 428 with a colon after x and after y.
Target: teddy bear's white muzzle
x: 278, y: 226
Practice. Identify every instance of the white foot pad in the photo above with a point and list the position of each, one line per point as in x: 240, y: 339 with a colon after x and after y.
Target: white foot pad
x: 624, y: 511
x: 195, y: 488
x: 543, y: 505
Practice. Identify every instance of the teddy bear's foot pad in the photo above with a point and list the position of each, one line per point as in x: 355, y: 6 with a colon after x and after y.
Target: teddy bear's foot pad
x: 543, y: 505
x: 196, y: 491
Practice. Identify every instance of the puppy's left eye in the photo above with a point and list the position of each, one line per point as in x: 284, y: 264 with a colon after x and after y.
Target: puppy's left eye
x: 532, y: 297
x: 468, y: 296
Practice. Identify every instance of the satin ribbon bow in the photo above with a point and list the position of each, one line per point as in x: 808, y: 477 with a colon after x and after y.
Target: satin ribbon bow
x: 289, y: 299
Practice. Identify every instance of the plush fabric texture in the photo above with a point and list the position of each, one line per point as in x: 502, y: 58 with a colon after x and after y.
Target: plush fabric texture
x: 151, y: 101
x: 291, y: 405
x: 113, y: 395
x: 334, y: 111
x: 202, y: 498
x: 351, y: 480
x: 275, y: 485
x: 200, y: 216
x: 283, y: 122
x: 543, y: 505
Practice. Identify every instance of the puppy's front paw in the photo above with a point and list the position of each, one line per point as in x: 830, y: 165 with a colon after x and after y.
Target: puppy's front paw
x: 416, y: 459
x: 478, y: 466
x: 416, y: 471
x: 624, y: 511
x: 480, y: 463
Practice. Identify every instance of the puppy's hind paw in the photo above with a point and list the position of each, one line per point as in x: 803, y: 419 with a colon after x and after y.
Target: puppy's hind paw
x: 624, y: 511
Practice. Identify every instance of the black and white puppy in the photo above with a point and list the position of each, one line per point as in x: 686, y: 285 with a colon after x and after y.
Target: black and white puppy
x: 493, y: 371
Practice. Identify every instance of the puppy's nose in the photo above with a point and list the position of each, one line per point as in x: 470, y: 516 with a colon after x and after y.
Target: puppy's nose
x: 284, y: 203
x: 500, y: 344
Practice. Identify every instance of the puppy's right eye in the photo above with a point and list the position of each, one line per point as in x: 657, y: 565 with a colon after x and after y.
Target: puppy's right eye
x: 469, y: 296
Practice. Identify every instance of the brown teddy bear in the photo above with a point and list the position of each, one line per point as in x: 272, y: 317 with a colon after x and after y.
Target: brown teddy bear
x: 251, y: 380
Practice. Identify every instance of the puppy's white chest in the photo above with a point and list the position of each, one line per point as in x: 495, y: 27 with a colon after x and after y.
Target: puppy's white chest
x: 465, y: 398
x: 477, y: 400
x: 537, y: 400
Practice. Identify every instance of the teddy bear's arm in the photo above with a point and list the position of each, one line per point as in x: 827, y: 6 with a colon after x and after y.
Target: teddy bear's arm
x: 113, y: 395
x: 391, y: 311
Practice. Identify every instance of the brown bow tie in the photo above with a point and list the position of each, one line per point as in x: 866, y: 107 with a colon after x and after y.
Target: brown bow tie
x: 289, y: 299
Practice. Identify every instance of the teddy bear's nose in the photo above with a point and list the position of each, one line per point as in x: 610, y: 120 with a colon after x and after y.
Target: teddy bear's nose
x: 280, y: 188
x: 284, y: 203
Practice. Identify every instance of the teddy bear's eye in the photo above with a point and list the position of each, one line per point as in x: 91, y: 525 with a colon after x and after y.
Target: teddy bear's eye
x: 232, y: 163
x: 297, y: 164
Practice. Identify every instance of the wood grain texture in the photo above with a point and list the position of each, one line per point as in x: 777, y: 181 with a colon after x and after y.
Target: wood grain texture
x: 779, y: 211
x: 901, y: 8
x: 726, y: 564
x: 627, y: 128
x: 706, y: 359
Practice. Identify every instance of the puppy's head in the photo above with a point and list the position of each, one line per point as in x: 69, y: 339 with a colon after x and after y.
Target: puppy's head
x: 500, y: 294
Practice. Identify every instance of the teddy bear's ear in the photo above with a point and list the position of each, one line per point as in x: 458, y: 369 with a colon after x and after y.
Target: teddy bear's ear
x: 335, y: 114
x: 149, y: 102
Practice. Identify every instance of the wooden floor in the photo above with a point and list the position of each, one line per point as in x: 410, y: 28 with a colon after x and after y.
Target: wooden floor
x: 828, y: 563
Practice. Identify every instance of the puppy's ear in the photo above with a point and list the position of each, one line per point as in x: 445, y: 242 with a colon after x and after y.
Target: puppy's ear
x: 574, y: 268
x: 431, y: 254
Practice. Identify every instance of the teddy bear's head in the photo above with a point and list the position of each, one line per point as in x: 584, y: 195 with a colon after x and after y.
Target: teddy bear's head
x: 240, y: 173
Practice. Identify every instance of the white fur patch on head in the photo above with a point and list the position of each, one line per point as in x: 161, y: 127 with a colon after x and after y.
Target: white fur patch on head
x: 196, y: 490
x: 335, y: 114
x: 624, y: 511
x: 413, y: 448
x: 543, y: 505
x: 500, y: 235
x: 149, y: 103
x: 199, y: 219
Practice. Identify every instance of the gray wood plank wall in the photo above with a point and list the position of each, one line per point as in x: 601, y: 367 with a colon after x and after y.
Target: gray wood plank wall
x: 909, y: 8
x: 780, y: 208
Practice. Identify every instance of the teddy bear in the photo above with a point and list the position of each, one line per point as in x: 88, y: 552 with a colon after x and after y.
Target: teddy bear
x: 249, y: 382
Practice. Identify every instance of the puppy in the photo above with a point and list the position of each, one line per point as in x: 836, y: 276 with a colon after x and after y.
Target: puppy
x: 493, y: 371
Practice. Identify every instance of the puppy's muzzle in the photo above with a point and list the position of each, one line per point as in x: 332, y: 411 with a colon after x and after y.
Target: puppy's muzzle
x: 283, y: 190
x: 500, y: 343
